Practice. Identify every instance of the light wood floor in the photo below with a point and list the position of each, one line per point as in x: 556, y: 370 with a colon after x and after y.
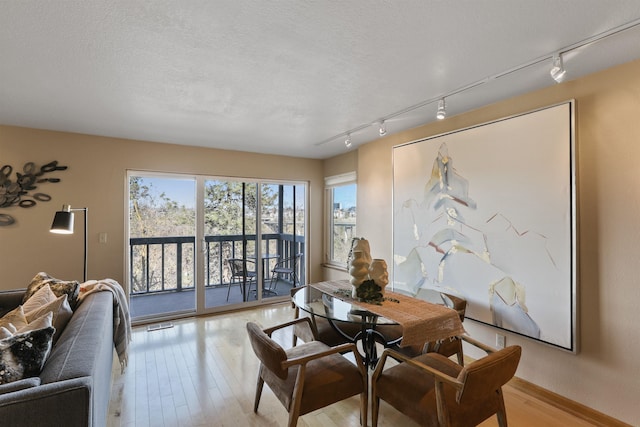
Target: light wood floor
x: 202, y: 372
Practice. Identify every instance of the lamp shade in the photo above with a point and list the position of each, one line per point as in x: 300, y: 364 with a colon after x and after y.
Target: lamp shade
x: 62, y: 223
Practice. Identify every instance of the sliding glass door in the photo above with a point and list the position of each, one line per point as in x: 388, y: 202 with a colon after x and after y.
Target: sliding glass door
x: 161, y: 249
x: 200, y: 244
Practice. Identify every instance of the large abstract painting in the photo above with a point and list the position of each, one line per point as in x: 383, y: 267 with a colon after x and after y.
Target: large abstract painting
x: 488, y: 213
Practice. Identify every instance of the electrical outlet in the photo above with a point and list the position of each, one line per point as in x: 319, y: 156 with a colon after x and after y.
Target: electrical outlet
x: 501, y: 341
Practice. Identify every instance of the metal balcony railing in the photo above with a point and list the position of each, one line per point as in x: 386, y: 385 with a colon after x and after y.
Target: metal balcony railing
x: 161, y: 264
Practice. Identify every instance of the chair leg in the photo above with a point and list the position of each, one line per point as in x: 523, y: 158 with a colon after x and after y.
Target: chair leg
x: 364, y: 407
x: 259, y: 387
x: 228, y: 290
x: 375, y: 407
x: 273, y: 282
x: 502, y: 412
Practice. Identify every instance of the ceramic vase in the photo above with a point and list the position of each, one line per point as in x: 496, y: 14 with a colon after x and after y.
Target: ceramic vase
x: 362, y: 245
x: 379, y: 274
x: 359, y: 270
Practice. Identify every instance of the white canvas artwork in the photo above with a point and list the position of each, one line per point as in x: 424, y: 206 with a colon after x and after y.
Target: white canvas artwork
x: 488, y: 213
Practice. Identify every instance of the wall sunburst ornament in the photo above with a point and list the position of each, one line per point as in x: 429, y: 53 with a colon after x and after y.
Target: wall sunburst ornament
x: 21, y: 191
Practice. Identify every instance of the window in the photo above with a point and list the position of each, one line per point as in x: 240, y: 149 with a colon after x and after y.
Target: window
x: 340, y: 217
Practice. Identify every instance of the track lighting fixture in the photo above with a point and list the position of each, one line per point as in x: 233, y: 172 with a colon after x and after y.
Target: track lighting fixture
x: 557, y: 69
x: 557, y: 72
x: 347, y: 142
x: 442, y: 112
x: 383, y: 128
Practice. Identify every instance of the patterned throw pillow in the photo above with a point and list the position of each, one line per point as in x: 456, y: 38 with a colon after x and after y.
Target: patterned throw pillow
x: 42, y: 296
x: 14, y: 320
x: 23, y: 355
x: 61, y: 314
x: 58, y: 287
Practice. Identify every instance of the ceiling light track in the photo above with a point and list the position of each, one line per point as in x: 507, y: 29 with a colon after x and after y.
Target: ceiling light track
x: 555, y: 56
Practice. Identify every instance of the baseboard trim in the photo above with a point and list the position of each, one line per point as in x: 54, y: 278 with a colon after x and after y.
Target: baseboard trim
x: 574, y: 408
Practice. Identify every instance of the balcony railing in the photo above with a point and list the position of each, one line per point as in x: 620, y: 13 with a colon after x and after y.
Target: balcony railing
x: 160, y: 264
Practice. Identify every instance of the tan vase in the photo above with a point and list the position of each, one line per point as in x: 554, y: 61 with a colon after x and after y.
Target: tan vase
x: 359, y: 270
x: 379, y: 274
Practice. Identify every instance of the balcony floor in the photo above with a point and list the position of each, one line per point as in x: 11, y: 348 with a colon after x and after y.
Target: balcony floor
x: 161, y: 303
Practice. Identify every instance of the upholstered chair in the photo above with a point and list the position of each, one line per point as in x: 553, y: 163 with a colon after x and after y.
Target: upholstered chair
x: 435, y: 391
x: 308, y: 376
x: 322, y: 329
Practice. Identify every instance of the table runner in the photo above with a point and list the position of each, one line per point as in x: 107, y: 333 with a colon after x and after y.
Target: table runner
x: 421, y: 321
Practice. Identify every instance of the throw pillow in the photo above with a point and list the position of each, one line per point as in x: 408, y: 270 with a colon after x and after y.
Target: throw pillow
x: 58, y: 287
x: 15, y: 318
x: 23, y: 355
x: 41, y: 322
x: 61, y: 314
x: 7, y: 332
x: 42, y: 296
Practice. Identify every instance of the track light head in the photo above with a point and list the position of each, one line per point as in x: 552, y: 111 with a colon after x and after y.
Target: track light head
x: 347, y: 142
x: 383, y: 128
x: 557, y: 69
x: 442, y: 112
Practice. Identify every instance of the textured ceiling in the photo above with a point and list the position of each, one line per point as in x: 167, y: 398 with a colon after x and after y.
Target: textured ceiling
x: 287, y: 77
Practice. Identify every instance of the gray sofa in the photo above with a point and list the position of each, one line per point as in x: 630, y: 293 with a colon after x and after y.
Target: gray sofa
x: 74, y: 386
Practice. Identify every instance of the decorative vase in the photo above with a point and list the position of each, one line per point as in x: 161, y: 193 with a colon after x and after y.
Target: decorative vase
x: 378, y: 273
x: 359, y: 270
x: 362, y: 245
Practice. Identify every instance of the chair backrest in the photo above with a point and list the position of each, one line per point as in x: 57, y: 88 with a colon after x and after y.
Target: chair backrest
x: 457, y: 303
x: 238, y: 267
x: 290, y: 262
x: 488, y: 374
x: 270, y: 353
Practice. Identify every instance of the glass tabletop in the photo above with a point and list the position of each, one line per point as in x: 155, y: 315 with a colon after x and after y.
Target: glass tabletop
x: 318, y: 303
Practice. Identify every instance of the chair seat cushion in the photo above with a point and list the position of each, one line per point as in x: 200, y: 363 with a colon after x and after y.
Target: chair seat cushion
x: 411, y: 392
x: 327, y: 380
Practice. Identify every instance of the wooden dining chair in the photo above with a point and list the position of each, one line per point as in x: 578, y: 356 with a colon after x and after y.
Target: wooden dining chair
x: 308, y: 376
x: 322, y: 329
x: 435, y: 391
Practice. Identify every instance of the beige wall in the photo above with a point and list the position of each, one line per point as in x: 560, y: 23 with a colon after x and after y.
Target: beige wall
x: 605, y: 374
x: 96, y: 179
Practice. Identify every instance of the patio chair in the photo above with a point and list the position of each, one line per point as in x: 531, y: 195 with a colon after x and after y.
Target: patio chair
x: 285, y: 268
x: 309, y: 376
x: 435, y: 391
x: 242, y: 270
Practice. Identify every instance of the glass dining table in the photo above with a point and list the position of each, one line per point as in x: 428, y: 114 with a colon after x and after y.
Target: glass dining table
x: 335, y: 310
x: 400, y: 320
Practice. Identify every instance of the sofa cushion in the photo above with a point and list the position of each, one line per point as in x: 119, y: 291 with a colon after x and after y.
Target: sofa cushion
x: 58, y: 287
x: 23, y: 355
x: 19, y: 385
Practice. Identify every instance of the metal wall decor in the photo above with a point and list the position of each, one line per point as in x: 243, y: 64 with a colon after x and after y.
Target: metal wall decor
x: 20, y: 192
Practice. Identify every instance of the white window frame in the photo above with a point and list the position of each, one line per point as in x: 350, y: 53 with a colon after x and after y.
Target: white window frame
x: 330, y: 183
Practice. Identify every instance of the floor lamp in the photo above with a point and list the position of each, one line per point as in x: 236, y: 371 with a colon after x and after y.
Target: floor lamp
x: 63, y: 224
